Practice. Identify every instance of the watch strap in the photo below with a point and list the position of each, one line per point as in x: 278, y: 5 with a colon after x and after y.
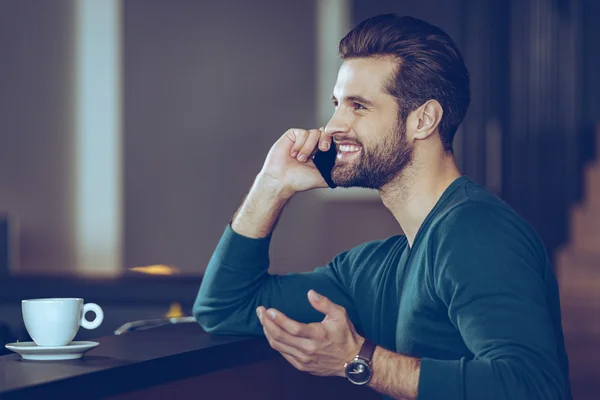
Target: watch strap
x: 367, y: 350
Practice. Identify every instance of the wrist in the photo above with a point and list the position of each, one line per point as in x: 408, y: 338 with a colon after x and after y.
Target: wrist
x: 257, y: 216
x: 271, y: 188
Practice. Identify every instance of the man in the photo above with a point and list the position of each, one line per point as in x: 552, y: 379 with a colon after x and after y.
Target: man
x: 464, y: 305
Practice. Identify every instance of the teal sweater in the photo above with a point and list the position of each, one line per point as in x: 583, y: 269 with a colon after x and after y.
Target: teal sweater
x: 475, y: 298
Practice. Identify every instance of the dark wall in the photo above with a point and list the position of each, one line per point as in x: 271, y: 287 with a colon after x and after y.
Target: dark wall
x: 590, y: 65
x: 37, y: 129
x: 209, y: 86
x: 544, y: 160
x: 590, y: 41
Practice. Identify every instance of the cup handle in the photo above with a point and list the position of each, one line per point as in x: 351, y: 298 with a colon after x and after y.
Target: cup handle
x: 99, y: 316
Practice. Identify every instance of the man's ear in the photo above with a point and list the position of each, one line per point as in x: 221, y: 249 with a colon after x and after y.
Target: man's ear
x: 428, y: 116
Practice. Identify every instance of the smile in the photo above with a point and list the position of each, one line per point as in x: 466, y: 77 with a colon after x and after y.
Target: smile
x: 346, y: 152
x: 348, y: 148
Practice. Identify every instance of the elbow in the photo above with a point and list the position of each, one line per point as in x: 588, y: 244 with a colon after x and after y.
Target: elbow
x: 205, y: 319
x: 221, y: 319
x: 209, y: 317
x: 229, y: 312
x: 211, y: 321
x: 206, y: 311
x: 217, y: 323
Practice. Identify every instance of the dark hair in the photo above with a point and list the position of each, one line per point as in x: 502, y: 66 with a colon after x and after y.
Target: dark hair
x: 430, y: 66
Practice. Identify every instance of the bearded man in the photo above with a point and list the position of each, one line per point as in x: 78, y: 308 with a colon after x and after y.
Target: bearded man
x: 463, y: 305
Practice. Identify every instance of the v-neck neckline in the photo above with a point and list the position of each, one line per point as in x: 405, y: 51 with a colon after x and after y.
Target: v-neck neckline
x: 439, y: 204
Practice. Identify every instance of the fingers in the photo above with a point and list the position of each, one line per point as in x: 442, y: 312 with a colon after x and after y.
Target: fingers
x: 306, y: 142
x: 286, y: 329
x: 310, y: 145
x: 294, y: 328
x: 324, y: 141
x: 285, y: 349
x: 289, y: 332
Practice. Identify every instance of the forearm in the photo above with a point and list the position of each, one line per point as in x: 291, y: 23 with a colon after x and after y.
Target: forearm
x: 237, y: 271
x: 258, y: 214
x: 395, y: 375
x: 236, y: 280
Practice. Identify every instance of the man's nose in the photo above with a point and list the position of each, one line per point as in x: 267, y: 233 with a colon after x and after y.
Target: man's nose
x: 337, y: 124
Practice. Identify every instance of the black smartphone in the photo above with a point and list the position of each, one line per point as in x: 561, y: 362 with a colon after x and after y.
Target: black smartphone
x: 324, y: 161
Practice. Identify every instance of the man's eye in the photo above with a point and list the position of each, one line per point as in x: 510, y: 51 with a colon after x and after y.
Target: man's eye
x: 335, y: 103
x: 359, y: 106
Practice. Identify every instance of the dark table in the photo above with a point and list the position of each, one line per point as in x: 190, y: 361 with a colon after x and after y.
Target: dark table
x: 177, y: 362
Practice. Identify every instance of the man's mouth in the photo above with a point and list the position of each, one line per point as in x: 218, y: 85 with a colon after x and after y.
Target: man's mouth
x: 347, y: 150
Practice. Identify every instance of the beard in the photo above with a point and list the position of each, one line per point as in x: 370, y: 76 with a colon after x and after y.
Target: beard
x: 376, y: 167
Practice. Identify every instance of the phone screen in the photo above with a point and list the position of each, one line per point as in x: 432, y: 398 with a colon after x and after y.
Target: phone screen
x: 324, y: 161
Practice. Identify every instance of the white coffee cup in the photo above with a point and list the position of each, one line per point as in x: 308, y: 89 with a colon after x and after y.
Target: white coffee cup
x: 55, y: 322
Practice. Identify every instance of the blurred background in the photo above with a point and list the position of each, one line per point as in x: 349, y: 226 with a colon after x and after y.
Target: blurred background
x: 131, y: 131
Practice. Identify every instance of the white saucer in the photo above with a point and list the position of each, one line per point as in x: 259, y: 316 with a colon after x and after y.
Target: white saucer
x: 31, y: 351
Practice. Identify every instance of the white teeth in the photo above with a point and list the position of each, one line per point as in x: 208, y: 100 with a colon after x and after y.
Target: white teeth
x: 348, y: 148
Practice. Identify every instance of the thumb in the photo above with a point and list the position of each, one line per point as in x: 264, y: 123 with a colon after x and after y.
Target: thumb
x: 324, y: 305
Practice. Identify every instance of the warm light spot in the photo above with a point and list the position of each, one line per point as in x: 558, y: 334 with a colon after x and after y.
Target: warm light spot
x: 159, y: 269
x: 175, y: 311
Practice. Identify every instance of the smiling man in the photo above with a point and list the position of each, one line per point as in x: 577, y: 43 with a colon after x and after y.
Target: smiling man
x: 463, y: 305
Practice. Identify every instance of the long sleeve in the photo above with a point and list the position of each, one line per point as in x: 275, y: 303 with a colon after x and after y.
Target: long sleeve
x: 237, y: 281
x: 491, y: 272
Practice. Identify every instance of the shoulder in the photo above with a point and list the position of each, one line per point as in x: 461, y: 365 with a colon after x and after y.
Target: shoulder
x: 476, y: 215
x: 484, y: 240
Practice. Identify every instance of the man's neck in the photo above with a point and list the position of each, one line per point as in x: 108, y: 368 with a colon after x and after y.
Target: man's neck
x: 412, y: 195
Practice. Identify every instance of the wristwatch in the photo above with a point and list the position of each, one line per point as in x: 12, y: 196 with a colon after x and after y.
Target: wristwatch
x: 358, y: 371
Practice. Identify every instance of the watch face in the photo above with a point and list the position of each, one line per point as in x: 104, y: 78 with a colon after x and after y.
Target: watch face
x: 358, y: 371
